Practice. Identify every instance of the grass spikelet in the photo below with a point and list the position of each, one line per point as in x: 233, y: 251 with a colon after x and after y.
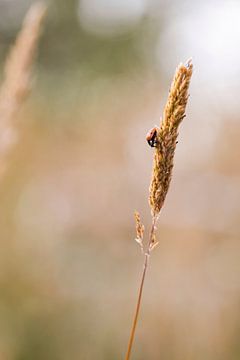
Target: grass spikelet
x: 165, y: 145
x: 17, y: 78
x: 174, y: 113
x: 139, y: 229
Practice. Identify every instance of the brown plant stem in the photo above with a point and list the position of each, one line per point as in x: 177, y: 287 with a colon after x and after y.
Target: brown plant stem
x: 140, y: 292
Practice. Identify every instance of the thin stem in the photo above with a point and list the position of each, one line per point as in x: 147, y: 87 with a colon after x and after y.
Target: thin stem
x: 145, y: 265
x: 135, y: 320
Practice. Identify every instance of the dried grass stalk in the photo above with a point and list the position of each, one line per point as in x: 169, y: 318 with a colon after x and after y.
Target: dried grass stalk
x: 174, y: 113
x: 17, y: 78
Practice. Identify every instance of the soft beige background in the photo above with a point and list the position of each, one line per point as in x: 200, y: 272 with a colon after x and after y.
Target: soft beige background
x: 69, y: 266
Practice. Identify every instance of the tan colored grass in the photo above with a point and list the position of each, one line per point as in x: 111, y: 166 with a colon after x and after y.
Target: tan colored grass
x: 139, y: 229
x: 18, y: 78
x: 174, y: 113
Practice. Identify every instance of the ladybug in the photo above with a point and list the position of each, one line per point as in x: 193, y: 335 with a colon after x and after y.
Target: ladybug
x: 151, y: 136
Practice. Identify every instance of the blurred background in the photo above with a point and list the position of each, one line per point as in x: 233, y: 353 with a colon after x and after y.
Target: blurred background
x: 69, y: 266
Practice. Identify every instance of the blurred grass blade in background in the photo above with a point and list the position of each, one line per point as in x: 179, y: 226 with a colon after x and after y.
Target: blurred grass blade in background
x: 17, y: 78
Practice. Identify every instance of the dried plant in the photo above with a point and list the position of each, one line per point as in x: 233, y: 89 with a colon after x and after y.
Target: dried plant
x: 165, y: 140
x: 17, y: 78
x: 139, y: 229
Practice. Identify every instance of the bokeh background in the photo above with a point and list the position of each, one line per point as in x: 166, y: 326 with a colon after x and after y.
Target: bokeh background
x: 69, y: 266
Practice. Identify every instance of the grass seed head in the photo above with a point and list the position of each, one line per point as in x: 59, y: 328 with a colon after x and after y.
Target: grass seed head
x: 139, y: 225
x: 173, y: 114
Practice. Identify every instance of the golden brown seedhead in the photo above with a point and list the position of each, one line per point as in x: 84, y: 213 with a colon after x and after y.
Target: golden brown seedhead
x: 173, y: 114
